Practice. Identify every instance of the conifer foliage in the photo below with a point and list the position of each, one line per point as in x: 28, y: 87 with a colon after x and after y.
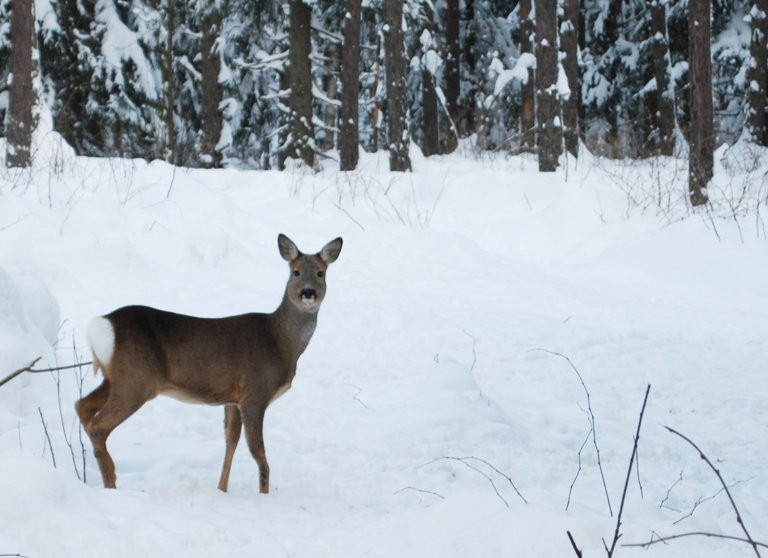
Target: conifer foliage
x: 255, y: 82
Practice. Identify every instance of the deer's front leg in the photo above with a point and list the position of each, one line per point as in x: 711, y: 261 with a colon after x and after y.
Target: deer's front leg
x: 232, y: 427
x: 252, y: 413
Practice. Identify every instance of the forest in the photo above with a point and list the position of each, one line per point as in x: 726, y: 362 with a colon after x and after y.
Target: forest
x: 544, y: 335
x: 252, y: 83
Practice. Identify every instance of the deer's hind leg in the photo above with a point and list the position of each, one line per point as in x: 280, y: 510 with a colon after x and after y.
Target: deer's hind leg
x: 92, y: 403
x: 121, y: 402
x: 233, y: 425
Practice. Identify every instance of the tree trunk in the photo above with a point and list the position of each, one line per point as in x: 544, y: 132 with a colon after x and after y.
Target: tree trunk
x: 430, y: 121
x: 701, y: 156
x: 397, y: 92
x: 350, y: 87
x: 300, y: 71
x: 757, y: 75
x: 452, y: 73
x: 528, y: 110
x: 664, y: 120
x: 431, y: 144
x: 331, y: 90
x: 212, y: 93
x: 21, y: 123
x: 547, y: 98
x: 569, y: 37
x: 171, y: 154
x: 467, y: 124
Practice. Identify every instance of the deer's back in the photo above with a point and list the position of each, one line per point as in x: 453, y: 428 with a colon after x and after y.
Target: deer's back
x: 209, y: 360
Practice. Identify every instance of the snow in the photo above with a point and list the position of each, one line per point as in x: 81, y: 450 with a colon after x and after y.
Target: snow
x: 120, y: 43
x: 451, y: 281
x: 519, y: 72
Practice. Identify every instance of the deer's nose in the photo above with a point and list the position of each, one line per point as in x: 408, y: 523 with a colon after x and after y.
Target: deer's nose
x: 308, y: 293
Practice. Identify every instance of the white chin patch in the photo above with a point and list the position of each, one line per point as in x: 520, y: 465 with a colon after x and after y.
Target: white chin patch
x: 309, y: 302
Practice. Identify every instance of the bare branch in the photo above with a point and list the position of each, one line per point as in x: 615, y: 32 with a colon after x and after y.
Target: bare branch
x: 591, y: 420
x: 464, y: 461
x: 573, y: 544
x: 27, y: 368
x: 617, y: 533
x: 669, y: 491
x: 421, y: 491
x: 578, y: 471
x: 57, y: 368
x: 697, y: 534
x: 47, y: 436
x: 739, y: 520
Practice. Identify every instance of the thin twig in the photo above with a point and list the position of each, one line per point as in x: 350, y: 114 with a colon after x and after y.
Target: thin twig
x: 47, y: 436
x: 578, y: 471
x: 617, y: 533
x: 488, y: 478
x: 27, y: 368
x: 669, y: 491
x: 57, y: 368
x: 420, y: 490
x: 591, y: 419
x: 700, y: 500
x: 697, y: 534
x: 67, y: 438
x: 573, y: 544
x: 739, y: 520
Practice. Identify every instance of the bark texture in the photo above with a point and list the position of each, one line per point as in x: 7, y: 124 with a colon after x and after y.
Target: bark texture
x: 700, y: 161
x: 301, y: 141
x: 350, y: 87
x: 549, y: 136
x: 397, y: 92
x: 21, y: 91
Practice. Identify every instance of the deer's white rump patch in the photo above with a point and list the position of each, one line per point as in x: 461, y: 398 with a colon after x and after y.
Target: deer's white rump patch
x: 101, y: 337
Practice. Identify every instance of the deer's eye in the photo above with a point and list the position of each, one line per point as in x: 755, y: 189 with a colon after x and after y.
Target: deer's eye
x: 296, y: 272
x: 320, y: 273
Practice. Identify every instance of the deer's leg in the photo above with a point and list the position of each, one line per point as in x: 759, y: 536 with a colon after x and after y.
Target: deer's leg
x: 92, y: 403
x: 118, y: 407
x: 233, y: 424
x: 253, y: 420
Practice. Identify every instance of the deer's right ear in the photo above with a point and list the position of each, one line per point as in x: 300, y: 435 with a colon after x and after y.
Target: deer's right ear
x: 288, y: 249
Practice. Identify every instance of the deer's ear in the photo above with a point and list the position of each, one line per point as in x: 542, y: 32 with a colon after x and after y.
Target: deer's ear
x: 331, y: 251
x: 288, y: 249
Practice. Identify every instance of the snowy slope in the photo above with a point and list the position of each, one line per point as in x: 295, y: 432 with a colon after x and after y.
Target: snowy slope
x: 451, y: 281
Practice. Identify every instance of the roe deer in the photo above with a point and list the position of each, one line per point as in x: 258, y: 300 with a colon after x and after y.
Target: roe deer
x: 243, y: 362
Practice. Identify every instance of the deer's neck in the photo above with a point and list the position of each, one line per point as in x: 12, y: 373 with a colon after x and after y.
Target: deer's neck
x: 295, y: 327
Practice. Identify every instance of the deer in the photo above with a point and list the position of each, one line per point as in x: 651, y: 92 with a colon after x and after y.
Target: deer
x: 244, y: 362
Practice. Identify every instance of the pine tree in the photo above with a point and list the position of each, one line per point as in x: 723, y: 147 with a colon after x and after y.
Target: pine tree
x: 528, y: 108
x: 702, y: 140
x: 664, y: 118
x: 569, y: 44
x: 211, y: 90
x: 453, y: 60
x: 396, y: 77
x: 757, y: 75
x: 5, y: 57
x: 350, y: 87
x: 21, y: 98
x: 301, y: 143
x: 549, y: 129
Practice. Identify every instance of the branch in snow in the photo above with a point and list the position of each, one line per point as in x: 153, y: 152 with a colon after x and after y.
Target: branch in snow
x: 739, y: 519
x: 466, y: 462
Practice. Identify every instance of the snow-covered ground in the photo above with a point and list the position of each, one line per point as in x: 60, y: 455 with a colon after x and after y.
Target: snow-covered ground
x: 456, y: 285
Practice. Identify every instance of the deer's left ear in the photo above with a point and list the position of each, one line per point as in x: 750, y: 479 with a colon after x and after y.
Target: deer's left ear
x: 331, y: 251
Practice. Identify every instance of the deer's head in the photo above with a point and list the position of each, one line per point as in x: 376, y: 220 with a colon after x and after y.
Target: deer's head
x: 306, y: 284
